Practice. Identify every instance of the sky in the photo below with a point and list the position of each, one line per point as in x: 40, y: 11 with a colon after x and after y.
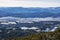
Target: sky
x: 29, y: 3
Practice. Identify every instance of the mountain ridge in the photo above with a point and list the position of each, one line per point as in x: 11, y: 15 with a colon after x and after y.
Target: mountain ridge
x: 30, y: 12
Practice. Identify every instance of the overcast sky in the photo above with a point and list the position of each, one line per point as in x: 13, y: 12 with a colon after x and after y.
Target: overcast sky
x: 29, y: 3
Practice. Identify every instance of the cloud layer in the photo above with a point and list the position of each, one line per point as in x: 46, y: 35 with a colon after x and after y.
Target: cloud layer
x: 27, y: 3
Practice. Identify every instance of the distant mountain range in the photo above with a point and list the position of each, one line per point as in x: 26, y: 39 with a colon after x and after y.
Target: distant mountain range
x: 29, y: 12
x: 18, y: 21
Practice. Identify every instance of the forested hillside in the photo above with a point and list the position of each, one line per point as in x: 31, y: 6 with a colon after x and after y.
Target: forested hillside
x: 40, y: 36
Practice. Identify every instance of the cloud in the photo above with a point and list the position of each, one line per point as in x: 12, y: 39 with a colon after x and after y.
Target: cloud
x: 56, y: 1
x: 22, y: 3
x: 28, y: 20
x: 54, y: 29
x: 25, y: 28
